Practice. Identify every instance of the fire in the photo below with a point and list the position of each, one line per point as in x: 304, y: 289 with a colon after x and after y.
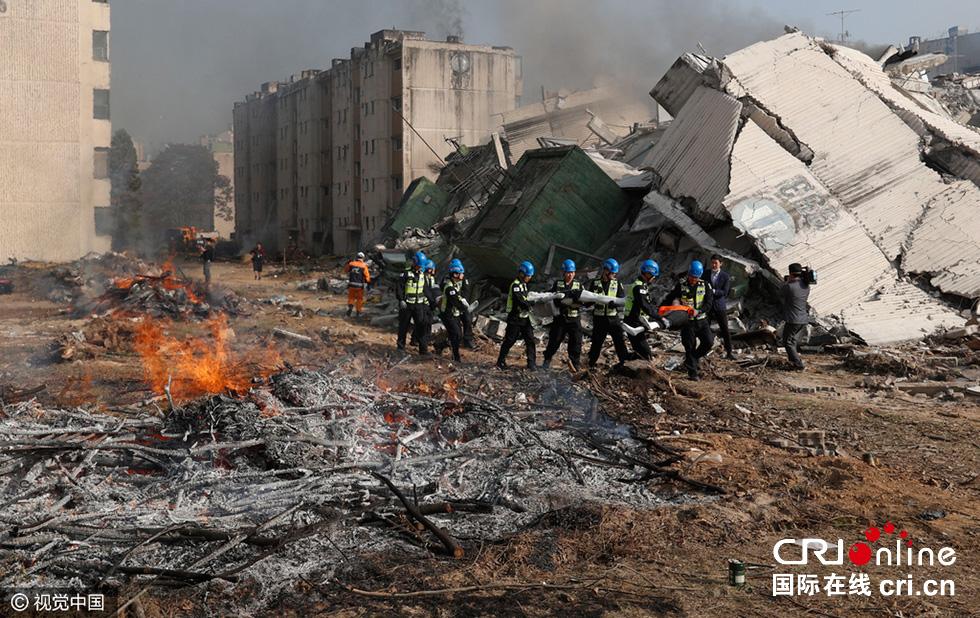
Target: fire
x: 192, y: 367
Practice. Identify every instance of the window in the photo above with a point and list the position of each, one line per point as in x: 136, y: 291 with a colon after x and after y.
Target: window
x: 101, y: 107
x: 357, y: 131
x: 396, y: 143
x: 397, y: 182
x: 103, y: 221
x: 397, y: 103
x: 357, y: 95
x: 397, y: 64
x: 100, y: 45
x: 372, y: 107
x: 357, y: 169
x: 372, y: 184
x: 372, y: 146
x: 101, y: 163
x: 357, y: 207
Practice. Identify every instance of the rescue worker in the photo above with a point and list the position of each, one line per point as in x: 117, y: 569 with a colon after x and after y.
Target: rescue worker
x: 638, y: 304
x: 721, y: 285
x: 568, y: 321
x: 605, y: 318
x: 694, y: 292
x: 359, y: 278
x: 794, y: 295
x: 431, y: 305
x: 412, y: 301
x: 519, y: 318
x: 452, y: 308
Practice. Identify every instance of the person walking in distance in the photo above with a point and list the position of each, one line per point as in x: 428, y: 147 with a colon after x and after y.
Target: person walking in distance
x: 410, y: 292
x: 694, y: 292
x: 207, y: 256
x: 258, y: 259
x: 794, y: 295
x: 568, y: 321
x: 519, y: 318
x: 721, y: 285
x: 605, y: 318
x: 638, y: 305
x: 358, y: 279
x: 452, y: 308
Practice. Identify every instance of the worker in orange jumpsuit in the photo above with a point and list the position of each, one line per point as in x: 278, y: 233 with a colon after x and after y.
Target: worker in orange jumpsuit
x: 358, y: 280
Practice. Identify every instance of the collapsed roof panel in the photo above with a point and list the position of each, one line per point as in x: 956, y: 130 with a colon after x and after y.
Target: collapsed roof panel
x: 863, y: 153
x: 793, y: 218
x: 692, y: 157
x: 897, y: 311
x: 569, y: 117
x: 680, y: 81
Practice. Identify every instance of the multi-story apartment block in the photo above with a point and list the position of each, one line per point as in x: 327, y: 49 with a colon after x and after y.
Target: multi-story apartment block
x: 322, y: 159
x: 962, y: 47
x: 54, y: 129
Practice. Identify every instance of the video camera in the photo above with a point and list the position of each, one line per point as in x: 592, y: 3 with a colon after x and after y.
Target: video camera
x: 809, y: 275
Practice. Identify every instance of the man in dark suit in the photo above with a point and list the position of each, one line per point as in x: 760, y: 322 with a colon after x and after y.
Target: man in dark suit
x: 721, y: 283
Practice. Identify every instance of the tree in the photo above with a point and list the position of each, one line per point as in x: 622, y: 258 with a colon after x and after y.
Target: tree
x: 182, y: 188
x: 126, y: 202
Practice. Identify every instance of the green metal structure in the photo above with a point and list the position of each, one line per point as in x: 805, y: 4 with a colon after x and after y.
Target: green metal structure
x: 422, y: 206
x: 555, y: 196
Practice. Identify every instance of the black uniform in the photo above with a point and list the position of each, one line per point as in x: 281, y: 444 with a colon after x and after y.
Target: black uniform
x: 605, y: 321
x: 794, y: 296
x: 696, y: 334
x: 411, y: 289
x: 567, y: 322
x: 518, y: 325
x: 638, y: 304
x: 451, y: 312
x: 207, y: 256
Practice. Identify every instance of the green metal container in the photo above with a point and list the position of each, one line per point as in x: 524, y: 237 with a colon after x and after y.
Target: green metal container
x: 736, y: 573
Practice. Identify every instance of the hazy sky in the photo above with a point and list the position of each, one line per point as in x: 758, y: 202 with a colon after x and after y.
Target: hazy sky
x: 179, y: 66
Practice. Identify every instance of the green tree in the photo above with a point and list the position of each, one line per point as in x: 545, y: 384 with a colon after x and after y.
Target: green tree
x: 126, y: 202
x: 182, y: 188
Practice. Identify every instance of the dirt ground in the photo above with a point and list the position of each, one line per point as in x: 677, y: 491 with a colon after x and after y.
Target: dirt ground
x: 603, y: 561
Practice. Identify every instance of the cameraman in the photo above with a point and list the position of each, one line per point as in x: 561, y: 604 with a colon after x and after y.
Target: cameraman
x: 794, y: 295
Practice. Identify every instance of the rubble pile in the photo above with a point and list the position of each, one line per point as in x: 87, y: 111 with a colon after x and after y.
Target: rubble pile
x: 158, y: 297
x: 224, y: 488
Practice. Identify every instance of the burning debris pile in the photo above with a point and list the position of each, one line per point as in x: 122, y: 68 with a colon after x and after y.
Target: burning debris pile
x: 224, y: 488
x: 158, y: 296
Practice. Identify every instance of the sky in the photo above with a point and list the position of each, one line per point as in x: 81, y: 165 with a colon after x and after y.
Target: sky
x: 179, y: 66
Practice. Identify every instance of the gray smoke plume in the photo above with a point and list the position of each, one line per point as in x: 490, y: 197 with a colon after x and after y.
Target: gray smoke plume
x: 440, y: 18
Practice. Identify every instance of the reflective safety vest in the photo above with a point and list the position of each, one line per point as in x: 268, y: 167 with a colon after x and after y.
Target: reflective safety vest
x: 696, y: 299
x: 569, y: 312
x: 610, y: 310
x: 522, y: 288
x: 629, y: 297
x: 415, y: 288
x: 444, y: 305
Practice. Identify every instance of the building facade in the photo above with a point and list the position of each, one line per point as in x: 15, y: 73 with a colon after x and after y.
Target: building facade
x: 962, y: 47
x: 55, y: 130
x: 323, y: 158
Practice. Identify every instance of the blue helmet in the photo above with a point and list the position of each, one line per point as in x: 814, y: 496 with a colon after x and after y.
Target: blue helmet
x: 611, y: 265
x: 650, y: 267
x: 526, y: 268
x: 696, y: 269
x: 419, y: 259
x: 429, y: 265
x: 568, y: 266
x: 456, y: 267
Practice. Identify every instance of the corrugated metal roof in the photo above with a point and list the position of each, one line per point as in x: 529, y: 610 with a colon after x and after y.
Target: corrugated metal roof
x: 692, y: 158
x: 863, y: 153
x: 897, y: 311
x: 794, y: 218
x: 680, y: 81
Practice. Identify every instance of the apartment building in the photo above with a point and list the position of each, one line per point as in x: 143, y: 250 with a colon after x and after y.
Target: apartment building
x: 223, y: 150
x: 961, y: 46
x: 55, y: 130
x: 322, y: 158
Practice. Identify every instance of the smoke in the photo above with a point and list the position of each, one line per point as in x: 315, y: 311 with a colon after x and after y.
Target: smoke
x: 441, y: 18
x: 567, y: 43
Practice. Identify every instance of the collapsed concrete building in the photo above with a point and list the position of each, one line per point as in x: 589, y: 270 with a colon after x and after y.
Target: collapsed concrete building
x: 796, y: 150
x: 812, y: 151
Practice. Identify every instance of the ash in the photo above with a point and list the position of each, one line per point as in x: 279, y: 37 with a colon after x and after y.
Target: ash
x: 299, y: 475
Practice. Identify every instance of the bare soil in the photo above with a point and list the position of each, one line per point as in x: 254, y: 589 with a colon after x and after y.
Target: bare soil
x: 603, y: 561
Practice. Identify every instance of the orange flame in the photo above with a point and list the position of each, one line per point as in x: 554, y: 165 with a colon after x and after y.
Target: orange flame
x: 193, y: 367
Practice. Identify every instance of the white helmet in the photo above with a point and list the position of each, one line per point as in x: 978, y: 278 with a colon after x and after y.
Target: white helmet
x: 360, y: 255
